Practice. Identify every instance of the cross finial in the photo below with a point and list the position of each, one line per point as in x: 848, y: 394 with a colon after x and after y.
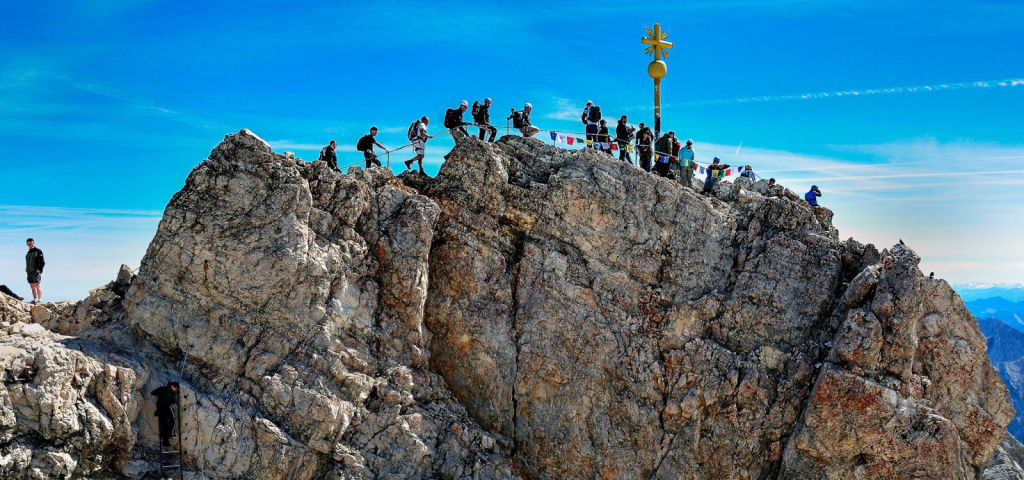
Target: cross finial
x: 656, y: 42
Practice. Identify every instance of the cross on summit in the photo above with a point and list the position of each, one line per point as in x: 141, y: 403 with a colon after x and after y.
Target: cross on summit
x: 656, y: 39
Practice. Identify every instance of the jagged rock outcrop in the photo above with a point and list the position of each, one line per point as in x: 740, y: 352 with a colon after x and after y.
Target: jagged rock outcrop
x: 531, y: 312
x: 1006, y: 351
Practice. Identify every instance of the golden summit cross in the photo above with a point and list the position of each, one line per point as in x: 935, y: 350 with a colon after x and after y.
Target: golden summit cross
x: 656, y: 41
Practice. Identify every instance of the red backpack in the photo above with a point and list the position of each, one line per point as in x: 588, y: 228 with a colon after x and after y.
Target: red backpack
x: 451, y: 118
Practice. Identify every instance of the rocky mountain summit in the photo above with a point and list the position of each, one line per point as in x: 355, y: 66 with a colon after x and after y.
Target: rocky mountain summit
x: 530, y: 312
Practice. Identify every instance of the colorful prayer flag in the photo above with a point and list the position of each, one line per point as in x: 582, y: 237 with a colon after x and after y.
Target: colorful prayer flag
x: 629, y: 147
x: 569, y: 140
x: 702, y: 170
x: 604, y: 146
x: 561, y: 138
x: 590, y: 143
x: 615, y: 146
x: 728, y: 172
x: 554, y: 135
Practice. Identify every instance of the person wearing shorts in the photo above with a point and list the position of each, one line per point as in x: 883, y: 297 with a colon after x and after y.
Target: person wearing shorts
x: 34, y: 263
x: 419, y: 144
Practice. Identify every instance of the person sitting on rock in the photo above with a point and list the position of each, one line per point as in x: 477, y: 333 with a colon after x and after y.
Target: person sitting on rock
x: 521, y: 120
x: 713, y: 171
x: 812, y: 196
x: 418, y: 135
x: 748, y: 172
x: 366, y: 144
x: 165, y: 397
x: 482, y: 118
x: 327, y: 154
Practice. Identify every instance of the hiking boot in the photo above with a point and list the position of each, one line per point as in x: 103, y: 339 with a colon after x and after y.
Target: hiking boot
x: 408, y: 164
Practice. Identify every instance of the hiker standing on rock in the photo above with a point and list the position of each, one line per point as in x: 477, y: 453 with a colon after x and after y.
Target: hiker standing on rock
x: 34, y: 264
x: 521, y: 120
x: 644, y: 137
x: 663, y: 150
x: 328, y: 154
x: 482, y: 118
x: 454, y: 123
x: 623, y: 136
x: 604, y: 137
x: 812, y: 196
x: 591, y: 115
x: 366, y: 144
x: 686, y: 155
x: 165, y: 397
x: 418, y: 136
x: 713, y: 171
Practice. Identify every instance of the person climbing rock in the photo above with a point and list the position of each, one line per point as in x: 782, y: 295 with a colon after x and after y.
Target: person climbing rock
x: 644, y: 137
x: 366, y: 144
x: 604, y: 138
x: 812, y: 196
x: 521, y: 120
x: 482, y: 119
x: 165, y: 397
x: 713, y: 170
x: 454, y: 123
x: 591, y: 116
x: 624, y: 136
x: 328, y: 154
x: 418, y: 136
x: 34, y: 264
x: 663, y: 152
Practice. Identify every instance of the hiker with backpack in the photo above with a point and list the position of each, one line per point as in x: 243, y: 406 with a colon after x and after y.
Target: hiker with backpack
x: 366, y: 144
x: 623, y: 136
x: 591, y: 115
x: 417, y: 134
x: 328, y: 154
x: 453, y: 121
x: 604, y: 137
x: 644, y: 137
x: 482, y: 118
x: 521, y: 121
x: 713, y: 170
x: 663, y: 152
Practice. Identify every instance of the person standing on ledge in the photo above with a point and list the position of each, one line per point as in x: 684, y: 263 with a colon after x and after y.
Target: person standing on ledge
x: 644, y: 137
x: 812, y: 196
x: 34, y: 264
x: 327, y: 154
x: 591, y: 115
x: 165, y: 397
x: 624, y: 136
x: 366, y: 144
x: 482, y: 119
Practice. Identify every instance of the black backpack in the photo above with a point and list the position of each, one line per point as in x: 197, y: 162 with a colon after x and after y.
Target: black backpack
x: 414, y: 133
x: 517, y: 120
x: 451, y: 118
x: 595, y: 113
x: 365, y: 143
x: 476, y: 110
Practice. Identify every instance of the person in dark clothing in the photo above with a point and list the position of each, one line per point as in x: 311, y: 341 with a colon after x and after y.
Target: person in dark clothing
x: 521, y: 120
x: 812, y: 196
x: 482, y: 118
x: 604, y: 137
x: 624, y: 136
x: 34, y: 264
x: 644, y: 137
x: 9, y: 293
x: 663, y: 152
x: 165, y: 397
x: 366, y: 144
x: 327, y: 154
x: 591, y: 115
x: 713, y: 171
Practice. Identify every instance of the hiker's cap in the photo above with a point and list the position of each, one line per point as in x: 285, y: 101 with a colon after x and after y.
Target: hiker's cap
x: 689, y: 141
x: 716, y: 160
x: 527, y: 106
x: 464, y: 103
x: 590, y: 102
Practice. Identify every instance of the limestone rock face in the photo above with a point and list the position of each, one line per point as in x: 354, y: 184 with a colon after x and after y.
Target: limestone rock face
x: 529, y: 313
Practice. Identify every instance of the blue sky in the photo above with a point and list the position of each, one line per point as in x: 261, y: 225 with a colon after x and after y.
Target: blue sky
x: 105, y: 106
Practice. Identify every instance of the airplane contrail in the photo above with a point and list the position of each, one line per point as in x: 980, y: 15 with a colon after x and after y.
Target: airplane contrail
x: 943, y: 87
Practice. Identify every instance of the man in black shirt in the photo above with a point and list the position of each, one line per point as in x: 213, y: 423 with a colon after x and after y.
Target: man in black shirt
x: 366, y: 144
x: 328, y: 155
x: 165, y: 397
x: 623, y: 136
x: 34, y: 263
x: 644, y: 137
x: 482, y: 118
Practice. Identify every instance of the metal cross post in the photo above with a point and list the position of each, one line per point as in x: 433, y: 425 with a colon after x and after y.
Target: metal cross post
x: 657, y: 45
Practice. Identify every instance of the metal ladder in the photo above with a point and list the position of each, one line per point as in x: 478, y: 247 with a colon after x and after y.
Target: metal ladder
x: 171, y: 460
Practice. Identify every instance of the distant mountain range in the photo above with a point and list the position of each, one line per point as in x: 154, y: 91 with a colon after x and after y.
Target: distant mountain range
x: 1006, y: 351
x: 978, y: 291
x: 1012, y: 313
